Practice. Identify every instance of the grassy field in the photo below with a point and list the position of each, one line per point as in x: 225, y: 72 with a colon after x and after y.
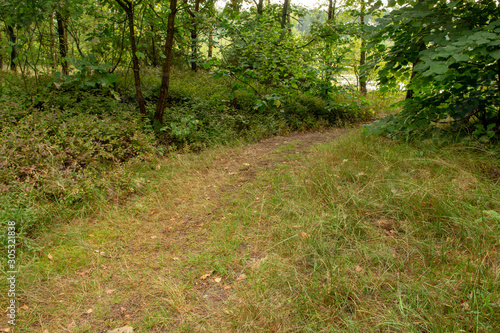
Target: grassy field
x: 331, y: 232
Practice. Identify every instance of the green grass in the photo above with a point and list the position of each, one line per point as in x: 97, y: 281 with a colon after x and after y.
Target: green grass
x: 373, y: 235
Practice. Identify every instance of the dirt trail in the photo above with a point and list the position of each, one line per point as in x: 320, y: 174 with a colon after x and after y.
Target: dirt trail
x: 141, y: 263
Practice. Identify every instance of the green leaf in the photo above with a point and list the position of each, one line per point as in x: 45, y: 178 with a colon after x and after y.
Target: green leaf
x: 495, y: 54
x: 460, y: 57
x: 140, y: 54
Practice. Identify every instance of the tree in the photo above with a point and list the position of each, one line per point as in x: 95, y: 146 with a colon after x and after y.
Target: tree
x: 128, y: 7
x: 362, y: 53
x: 13, y: 52
x: 62, y: 28
x: 167, y: 64
x: 450, y: 54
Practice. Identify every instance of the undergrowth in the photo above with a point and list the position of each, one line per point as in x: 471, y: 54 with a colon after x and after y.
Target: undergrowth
x: 64, y: 148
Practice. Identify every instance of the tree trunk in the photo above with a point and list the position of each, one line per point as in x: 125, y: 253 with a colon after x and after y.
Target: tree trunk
x: 128, y: 7
x: 260, y: 7
x: 284, y: 14
x: 331, y: 9
x: 165, y: 78
x: 498, y: 93
x: 153, y: 45
x: 13, y: 53
x: 63, y: 41
x: 194, y: 37
x: 1, y: 57
x: 52, y: 43
x: 362, y: 56
x: 210, y: 43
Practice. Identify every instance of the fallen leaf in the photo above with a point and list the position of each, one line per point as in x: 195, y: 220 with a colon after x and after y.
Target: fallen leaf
x: 175, y: 258
x: 89, y: 311
x: 82, y: 273
x: 124, y: 329
x: 110, y: 291
x: 154, y: 212
x: 5, y: 330
x: 24, y: 307
x: 123, y: 309
x: 226, y: 287
x: 49, y: 256
x: 205, y: 276
x: 304, y: 235
x: 153, y: 237
x: 105, y: 267
x: 158, y: 167
x: 218, y: 280
x: 241, y: 277
x: 358, y: 268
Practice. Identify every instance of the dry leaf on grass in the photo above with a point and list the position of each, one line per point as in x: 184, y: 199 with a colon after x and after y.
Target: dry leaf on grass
x: 304, y: 235
x: 241, y: 277
x: 110, y: 291
x: 358, y: 268
x: 218, y: 280
x: 49, y: 256
x: 6, y: 330
x: 89, y: 311
x: 226, y: 287
x: 24, y: 307
x: 205, y: 276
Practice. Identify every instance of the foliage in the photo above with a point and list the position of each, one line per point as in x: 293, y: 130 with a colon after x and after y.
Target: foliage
x: 88, y: 74
x: 450, y: 52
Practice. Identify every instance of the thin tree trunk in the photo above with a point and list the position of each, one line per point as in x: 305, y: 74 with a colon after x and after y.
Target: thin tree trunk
x: 128, y: 7
x: 52, y: 43
x: 260, y: 7
x: 498, y: 93
x: 165, y: 78
x: 210, y: 43
x: 331, y: 9
x: 63, y: 41
x: 362, y: 56
x: 153, y: 45
x: 1, y: 57
x: 194, y: 37
x: 13, y: 53
x: 284, y: 14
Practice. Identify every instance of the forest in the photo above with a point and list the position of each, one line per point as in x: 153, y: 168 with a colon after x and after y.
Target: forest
x: 250, y: 166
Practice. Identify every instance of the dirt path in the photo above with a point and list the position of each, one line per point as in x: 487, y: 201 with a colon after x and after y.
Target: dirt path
x: 156, y: 263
